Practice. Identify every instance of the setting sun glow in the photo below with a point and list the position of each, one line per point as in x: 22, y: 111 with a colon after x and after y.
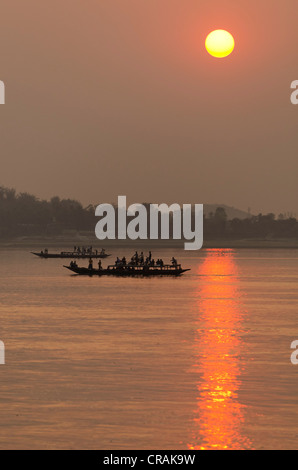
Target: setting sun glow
x: 220, y: 43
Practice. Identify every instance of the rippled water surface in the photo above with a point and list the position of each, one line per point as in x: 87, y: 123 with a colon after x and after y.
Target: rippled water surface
x: 199, y: 362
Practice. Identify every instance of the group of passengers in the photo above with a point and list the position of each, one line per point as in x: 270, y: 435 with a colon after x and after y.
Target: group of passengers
x: 73, y: 264
x: 136, y: 260
x: 140, y: 260
x: 90, y: 266
x: 87, y: 250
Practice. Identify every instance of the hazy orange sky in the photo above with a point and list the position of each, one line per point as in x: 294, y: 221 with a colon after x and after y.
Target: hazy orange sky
x: 116, y: 97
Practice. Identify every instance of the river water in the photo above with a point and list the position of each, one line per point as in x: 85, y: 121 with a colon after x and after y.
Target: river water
x: 198, y: 362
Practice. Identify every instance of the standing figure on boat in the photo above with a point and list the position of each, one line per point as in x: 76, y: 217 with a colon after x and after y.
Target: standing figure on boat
x: 174, y: 261
x: 90, y: 263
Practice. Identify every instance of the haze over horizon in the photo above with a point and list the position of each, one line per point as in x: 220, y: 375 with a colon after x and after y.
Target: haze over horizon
x: 120, y: 98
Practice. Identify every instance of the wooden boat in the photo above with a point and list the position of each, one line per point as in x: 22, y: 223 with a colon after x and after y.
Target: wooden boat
x: 129, y: 270
x: 71, y: 255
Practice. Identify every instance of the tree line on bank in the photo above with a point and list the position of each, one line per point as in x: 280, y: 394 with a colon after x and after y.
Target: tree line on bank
x: 25, y: 215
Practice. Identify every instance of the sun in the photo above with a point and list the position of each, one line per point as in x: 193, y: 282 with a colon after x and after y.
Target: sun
x: 220, y: 43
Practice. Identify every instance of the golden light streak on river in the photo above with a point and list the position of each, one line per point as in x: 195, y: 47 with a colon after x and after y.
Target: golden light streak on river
x: 219, y: 414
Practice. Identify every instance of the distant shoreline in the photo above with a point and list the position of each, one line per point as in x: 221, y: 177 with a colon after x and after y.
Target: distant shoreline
x: 69, y: 243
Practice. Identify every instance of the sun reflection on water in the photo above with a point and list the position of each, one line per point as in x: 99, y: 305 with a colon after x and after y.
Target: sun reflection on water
x: 218, y: 421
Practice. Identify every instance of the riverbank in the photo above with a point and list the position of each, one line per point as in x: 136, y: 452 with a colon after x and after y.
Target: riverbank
x: 65, y: 242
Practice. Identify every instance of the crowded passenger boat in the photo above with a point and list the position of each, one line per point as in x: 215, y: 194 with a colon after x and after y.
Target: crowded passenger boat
x: 139, y: 265
x: 78, y: 252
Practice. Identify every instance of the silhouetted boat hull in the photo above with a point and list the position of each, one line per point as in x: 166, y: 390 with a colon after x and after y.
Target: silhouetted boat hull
x: 129, y: 271
x: 69, y: 255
